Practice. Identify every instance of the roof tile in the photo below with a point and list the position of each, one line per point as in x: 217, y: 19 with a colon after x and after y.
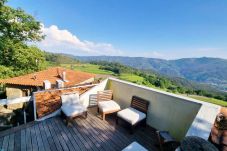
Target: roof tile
x: 51, y: 74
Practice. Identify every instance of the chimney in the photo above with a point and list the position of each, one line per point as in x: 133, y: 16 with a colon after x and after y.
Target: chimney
x: 46, y: 84
x: 64, y: 76
x: 59, y: 84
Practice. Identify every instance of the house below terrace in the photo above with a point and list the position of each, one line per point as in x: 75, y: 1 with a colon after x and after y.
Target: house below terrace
x: 51, y: 78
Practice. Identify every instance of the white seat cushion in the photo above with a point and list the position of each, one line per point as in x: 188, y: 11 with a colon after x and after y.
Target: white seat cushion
x: 72, y: 110
x: 68, y: 99
x: 131, y: 115
x: 106, y: 106
x: 134, y: 146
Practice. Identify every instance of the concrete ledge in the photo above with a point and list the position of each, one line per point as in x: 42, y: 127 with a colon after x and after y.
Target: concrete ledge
x: 14, y: 101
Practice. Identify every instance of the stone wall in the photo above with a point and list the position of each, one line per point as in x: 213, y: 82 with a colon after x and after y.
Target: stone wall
x: 16, y: 91
x: 12, y: 92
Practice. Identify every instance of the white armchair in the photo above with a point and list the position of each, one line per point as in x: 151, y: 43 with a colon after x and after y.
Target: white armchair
x: 72, y: 107
x: 105, y: 103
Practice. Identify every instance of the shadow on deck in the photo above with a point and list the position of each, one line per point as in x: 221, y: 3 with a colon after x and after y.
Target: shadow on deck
x: 84, y: 134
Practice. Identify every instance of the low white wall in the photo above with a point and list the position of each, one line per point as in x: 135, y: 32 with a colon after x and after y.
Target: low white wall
x: 167, y: 111
x: 14, y: 101
x: 84, y: 98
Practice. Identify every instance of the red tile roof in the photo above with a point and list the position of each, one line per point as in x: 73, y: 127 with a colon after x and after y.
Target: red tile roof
x: 51, y: 74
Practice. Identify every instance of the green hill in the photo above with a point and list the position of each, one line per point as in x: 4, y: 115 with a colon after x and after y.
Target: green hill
x: 212, y: 71
x: 151, y: 79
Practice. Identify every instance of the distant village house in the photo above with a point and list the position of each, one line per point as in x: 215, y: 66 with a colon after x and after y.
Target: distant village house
x: 52, y: 78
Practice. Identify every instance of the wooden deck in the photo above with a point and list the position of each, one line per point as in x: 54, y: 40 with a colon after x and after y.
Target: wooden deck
x: 91, y: 134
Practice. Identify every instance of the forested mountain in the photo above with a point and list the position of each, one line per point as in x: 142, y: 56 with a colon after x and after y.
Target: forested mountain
x: 211, y: 71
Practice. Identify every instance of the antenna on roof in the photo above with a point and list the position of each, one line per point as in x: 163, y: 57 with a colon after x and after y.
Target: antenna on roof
x: 34, y: 77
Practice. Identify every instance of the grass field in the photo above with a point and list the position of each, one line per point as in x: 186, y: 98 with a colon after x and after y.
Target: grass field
x: 90, y: 68
x: 135, y: 79
x: 210, y: 100
x: 131, y: 77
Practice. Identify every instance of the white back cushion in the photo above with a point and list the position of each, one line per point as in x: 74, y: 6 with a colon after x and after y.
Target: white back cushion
x: 70, y: 99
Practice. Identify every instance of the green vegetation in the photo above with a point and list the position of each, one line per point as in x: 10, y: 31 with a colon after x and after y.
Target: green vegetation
x: 16, y: 29
x: 132, y: 78
x: 204, y: 70
x: 152, y: 79
x: 90, y: 68
x: 210, y: 100
x: 58, y: 59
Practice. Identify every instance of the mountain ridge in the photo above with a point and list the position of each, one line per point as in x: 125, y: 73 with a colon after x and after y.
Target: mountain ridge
x: 208, y: 70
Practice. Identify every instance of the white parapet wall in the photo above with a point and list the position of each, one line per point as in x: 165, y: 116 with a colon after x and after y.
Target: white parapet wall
x: 84, y: 98
x: 167, y: 111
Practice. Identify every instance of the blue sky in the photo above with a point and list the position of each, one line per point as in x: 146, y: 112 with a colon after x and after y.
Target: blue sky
x: 149, y: 28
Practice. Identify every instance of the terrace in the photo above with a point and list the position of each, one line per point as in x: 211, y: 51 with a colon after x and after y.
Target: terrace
x: 179, y: 115
x: 90, y: 134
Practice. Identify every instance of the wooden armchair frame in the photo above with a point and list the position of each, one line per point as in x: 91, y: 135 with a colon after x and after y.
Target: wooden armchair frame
x: 166, y: 141
x: 141, y: 105
x: 106, y: 95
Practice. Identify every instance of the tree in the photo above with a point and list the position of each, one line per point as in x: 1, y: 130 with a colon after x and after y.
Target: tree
x: 29, y: 58
x: 16, y: 29
x: 18, y: 26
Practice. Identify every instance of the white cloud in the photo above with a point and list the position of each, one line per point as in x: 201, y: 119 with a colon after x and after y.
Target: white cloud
x: 63, y: 41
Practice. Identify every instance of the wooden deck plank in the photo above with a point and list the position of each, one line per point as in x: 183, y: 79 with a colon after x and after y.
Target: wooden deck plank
x: 76, y: 146
x: 116, y: 136
x: 136, y: 136
x: 34, y: 139
x: 20, y: 140
x: 39, y: 138
x: 91, y: 134
x: 48, y: 136
x: 105, y: 138
x: 17, y: 141
x: 28, y: 139
x: 96, y: 140
x: 43, y: 137
x: 85, y: 136
x: 1, y: 141
x: 54, y: 136
x: 64, y: 135
x: 17, y: 128
x: 59, y: 135
x: 80, y: 143
x: 97, y: 136
x: 5, y: 143
x: 11, y: 142
x: 84, y: 142
x: 110, y: 127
